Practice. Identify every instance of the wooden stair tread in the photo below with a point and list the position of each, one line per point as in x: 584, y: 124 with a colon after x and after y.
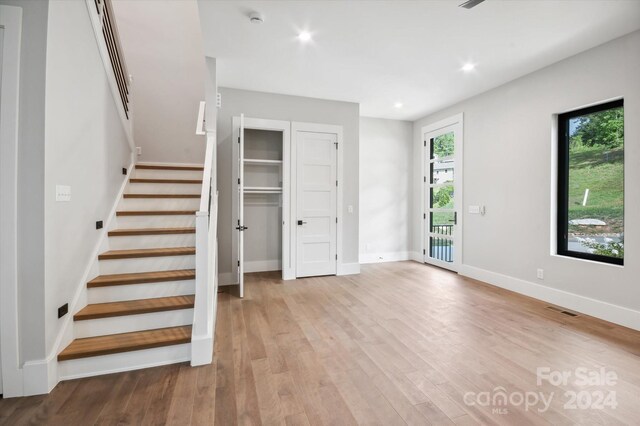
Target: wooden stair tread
x: 142, y: 278
x: 134, y: 307
x: 150, y: 231
x: 155, y: 212
x: 173, y: 167
x: 144, y: 180
x: 149, y: 252
x: 125, y: 342
x: 161, y: 195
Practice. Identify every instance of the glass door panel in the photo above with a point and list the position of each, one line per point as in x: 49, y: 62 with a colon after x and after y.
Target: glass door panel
x: 441, y: 202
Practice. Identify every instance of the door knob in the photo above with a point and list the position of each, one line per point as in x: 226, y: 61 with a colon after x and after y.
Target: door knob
x: 301, y: 222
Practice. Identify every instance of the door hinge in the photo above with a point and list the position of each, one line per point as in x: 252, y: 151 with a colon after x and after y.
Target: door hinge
x: 336, y: 220
x: 336, y: 183
x: 336, y: 256
x: 424, y: 215
x: 424, y: 179
x: 238, y: 139
x: 336, y: 144
x: 424, y: 251
x: 425, y: 143
x: 238, y: 263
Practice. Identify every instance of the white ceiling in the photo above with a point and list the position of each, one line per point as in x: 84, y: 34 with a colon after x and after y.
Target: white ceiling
x: 378, y: 53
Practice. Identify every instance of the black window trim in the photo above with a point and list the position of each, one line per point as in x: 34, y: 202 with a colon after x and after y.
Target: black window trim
x: 563, y: 183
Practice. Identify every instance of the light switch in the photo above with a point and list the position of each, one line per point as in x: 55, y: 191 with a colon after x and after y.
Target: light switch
x: 474, y: 209
x: 350, y: 209
x: 63, y: 193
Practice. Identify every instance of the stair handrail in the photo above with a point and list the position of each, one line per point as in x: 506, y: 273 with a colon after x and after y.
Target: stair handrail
x: 204, y: 312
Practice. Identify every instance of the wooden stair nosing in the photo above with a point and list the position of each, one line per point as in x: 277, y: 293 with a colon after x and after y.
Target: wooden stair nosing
x: 168, y: 167
x: 161, y: 195
x: 134, y: 307
x: 142, y: 278
x: 153, y: 252
x: 155, y: 212
x: 151, y: 231
x: 185, y: 181
x: 125, y: 342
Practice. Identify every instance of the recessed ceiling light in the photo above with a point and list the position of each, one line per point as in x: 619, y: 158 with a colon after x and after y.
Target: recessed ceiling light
x: 398, y: 105
x: 304, y: 36
x: 468, y: 67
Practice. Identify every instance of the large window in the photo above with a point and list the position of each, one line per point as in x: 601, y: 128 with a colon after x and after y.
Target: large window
x: 591, y: 183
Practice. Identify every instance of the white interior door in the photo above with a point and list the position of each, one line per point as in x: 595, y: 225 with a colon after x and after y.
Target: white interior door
x: 316, y: 203
x: 240, y: 227
x: 443, y: 195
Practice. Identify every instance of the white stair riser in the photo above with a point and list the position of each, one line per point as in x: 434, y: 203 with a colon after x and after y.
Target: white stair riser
x: 146, y: 264
x: 129, y: 323
x: 155, y: 221
x: 167, y: 174
x: 152, y: 241
x: 119, y: 293
x: 126, y: 361
x: 164, y: 188
x: 128, y: 204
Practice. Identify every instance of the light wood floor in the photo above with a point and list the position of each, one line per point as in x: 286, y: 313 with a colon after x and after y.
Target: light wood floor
x: 399, y: 343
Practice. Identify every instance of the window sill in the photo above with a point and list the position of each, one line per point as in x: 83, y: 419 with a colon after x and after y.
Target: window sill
x: 593, y: 262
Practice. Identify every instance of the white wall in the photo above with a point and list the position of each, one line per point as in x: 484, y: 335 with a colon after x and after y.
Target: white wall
x: 85, y: 147
x: 509, y: 164
x: 163, y: 51
x: 385, y: 189
x: 31, y: 144
x: 290, y: 108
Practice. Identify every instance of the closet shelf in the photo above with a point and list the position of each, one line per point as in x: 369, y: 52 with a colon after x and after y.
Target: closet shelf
x: 262, y: 162
x: 262, y: 190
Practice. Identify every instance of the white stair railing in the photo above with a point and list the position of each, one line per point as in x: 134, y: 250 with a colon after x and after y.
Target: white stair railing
x: 204, y: 312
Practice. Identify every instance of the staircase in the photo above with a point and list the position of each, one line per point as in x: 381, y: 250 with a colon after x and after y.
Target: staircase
x: 140, y: 306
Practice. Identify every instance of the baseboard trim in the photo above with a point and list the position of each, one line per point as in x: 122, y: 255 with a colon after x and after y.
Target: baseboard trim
x: 227, y: 278
x: 416, y: 256
x: 348, y: 268
x: 595, y: 308
x: 384, y: 257
x: 40, y: 376
x: 262, y: 266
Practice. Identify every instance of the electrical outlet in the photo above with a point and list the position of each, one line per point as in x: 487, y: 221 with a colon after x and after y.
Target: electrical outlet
x: 474, y: 209
x: 62, y: 310
x: 540, y: 274
x: 124, y: 170
x: 350, y: 209
x: 139, y: 150
x: 99, y: 224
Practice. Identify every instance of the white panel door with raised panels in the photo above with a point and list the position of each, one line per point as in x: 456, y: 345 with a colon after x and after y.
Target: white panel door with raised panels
x: 316, y: 203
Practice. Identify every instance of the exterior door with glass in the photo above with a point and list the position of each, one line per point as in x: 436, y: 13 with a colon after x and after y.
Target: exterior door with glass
x: 442, y: 180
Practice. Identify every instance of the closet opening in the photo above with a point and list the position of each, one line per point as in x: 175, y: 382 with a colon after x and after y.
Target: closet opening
x: 261, y: 197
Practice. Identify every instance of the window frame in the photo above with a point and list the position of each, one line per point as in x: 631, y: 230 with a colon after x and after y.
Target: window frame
x: 562, y: 238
